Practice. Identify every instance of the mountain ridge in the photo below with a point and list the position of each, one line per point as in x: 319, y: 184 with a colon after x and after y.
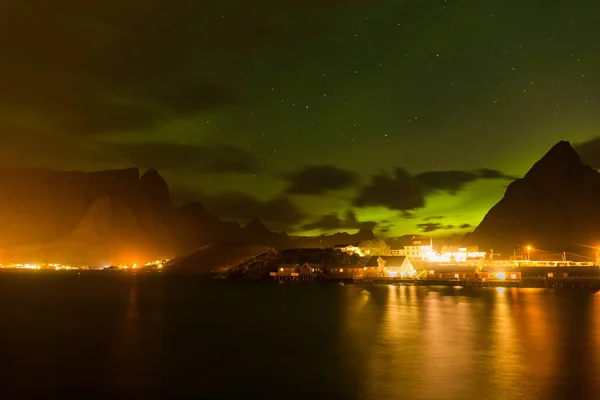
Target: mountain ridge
x: 112, y: 217
x: 555, y: 207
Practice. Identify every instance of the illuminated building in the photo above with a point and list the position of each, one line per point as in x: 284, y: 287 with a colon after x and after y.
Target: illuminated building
x: 498, y: 275
x: 456, y: 254
x: 394, y: 266
x: 288, y: 269
x: 419, y: 248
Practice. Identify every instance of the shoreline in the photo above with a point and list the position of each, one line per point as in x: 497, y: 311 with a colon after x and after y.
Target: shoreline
x: 525, y: 283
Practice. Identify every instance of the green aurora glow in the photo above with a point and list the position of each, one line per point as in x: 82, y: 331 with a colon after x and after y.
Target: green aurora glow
x: 233, y: 96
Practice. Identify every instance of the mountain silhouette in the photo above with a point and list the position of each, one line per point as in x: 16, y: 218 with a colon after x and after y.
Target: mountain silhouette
x: 116, y: 216
x: 555, y: 207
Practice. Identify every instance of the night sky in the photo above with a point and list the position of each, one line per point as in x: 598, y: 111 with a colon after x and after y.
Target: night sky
x: 315, y: 115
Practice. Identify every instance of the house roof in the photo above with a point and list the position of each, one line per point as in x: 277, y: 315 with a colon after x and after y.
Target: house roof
x: 390, y: 261
x: 372, y: 262
x: 288, y: 265
x: 312, y: 265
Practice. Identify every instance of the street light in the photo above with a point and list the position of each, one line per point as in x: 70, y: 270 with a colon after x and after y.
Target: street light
x: 528, y: 250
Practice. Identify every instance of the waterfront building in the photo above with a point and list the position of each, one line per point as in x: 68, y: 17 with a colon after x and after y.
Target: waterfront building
x: 311, y: 269
x: 288, y: 269
x: 448, y: 271
x: 488, y: 274
x: 348, y: 270
x: 393, y: 266
x: 457, y: 254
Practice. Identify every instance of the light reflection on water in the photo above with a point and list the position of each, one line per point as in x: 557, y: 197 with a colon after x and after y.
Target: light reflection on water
x: 494, y: 344
x: 178, y: 336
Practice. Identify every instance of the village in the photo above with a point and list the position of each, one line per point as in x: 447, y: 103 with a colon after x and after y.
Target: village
x: 417, y: 263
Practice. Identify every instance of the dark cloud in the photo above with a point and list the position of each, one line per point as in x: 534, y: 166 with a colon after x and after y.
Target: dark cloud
x: 192, y: 158
x: 331, y: 222
x: 435, y: 217
x: 404, y: 192
x: 486, y: 173
x: 320, y: 179
x: 353, y: 223
x: 327, y: 222
x: 396, y: 192
x: 278, y: 213
x: 385, y: 227
x: 589, y: 152
x: 433, y: 226
x: 78, y: 106
x: 466, y: 226
x: 109, y: 66
x: 454, y: 181
x: 449, y: 181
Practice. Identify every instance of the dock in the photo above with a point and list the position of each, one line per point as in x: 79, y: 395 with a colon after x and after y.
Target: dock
x: 526, y: 282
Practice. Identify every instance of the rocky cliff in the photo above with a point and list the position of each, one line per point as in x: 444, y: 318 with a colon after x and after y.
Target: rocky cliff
x: 554, y: 207
x: 79, y: 217
x: 114, y: 217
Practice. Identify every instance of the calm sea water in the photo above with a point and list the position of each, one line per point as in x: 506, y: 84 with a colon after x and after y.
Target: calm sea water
x: 174, y: 336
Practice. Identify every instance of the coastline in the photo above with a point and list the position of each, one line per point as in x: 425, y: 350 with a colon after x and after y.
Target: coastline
x: 525, y: 283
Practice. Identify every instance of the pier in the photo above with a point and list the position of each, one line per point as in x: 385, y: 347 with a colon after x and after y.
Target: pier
x: 527, y: 282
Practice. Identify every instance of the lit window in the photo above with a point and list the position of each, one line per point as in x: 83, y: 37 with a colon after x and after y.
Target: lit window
x: 491, y: 276
x: 341, y: 269
x: 456, y: 276
x: 550, y: 275
x: 513, y: 276
x: 431, y: 272
x: 281, y: 269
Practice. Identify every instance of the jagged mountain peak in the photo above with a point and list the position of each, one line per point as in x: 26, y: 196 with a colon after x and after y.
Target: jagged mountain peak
x: 556, y: 206
x: 559, y: 162
x: 157, y: 190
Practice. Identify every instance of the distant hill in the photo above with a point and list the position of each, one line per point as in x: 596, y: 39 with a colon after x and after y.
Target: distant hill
x: 218, y: 257
x: 325, y: 241
x: 554, y: 207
